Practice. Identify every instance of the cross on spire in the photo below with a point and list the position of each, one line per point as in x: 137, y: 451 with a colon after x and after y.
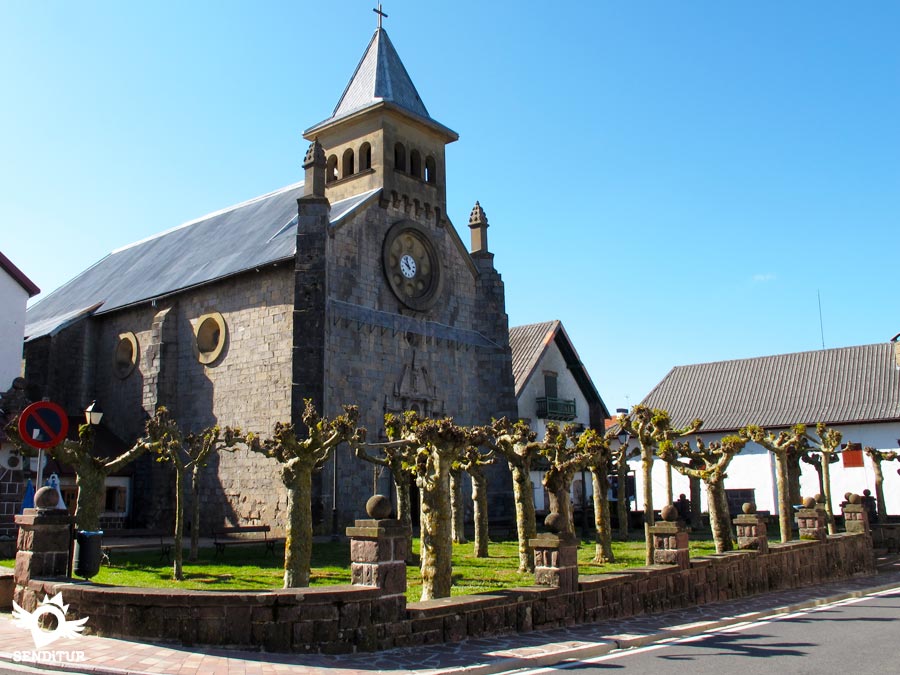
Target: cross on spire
x: 381, y: 15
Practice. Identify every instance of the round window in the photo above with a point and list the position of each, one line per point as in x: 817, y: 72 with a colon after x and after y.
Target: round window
x: 125, y: 355
x: 210, y: 333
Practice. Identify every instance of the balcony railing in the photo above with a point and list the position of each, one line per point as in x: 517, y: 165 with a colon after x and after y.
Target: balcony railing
x: 560, y: 409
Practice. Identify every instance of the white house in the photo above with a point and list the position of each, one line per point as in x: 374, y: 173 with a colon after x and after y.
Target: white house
x: 552, y: 384
x: 853, y: 389
x: 15, y: 289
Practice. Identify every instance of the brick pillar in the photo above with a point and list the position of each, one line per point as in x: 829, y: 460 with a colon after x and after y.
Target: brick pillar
x: 556, y: 561
x: 378, y: 555
x: 43, y: 544
x: 752, y: 532
x: 670, y: 544
x: 812, y: 520
x: 856, y: 517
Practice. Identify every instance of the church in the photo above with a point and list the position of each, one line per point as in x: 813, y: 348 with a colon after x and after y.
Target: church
x: 351, y: 287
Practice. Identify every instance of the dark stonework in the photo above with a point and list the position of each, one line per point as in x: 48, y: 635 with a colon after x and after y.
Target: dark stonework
x: 42, y: 550
x: 378, y: 555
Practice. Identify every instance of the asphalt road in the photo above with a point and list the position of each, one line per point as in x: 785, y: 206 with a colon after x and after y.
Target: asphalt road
x: 857, y: 637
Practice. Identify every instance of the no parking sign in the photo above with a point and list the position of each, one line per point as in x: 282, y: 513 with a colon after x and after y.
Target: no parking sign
x: 43, y: 425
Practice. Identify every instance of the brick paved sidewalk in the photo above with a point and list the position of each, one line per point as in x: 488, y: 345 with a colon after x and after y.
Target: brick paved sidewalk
x: 103, y: 656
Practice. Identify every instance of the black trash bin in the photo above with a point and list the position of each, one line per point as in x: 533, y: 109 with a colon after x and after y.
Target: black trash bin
x: 88, y: 553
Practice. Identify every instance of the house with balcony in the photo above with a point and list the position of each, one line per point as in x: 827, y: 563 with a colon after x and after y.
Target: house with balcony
x: 552, y: 385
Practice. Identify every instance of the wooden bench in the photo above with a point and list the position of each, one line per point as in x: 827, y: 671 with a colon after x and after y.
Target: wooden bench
x: 236, y: 536
x: 166, y: 541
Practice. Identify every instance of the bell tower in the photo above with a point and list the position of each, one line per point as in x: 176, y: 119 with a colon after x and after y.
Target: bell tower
x: 380, y: 135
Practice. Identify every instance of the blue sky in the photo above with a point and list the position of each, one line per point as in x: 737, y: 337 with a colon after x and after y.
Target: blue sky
x: 675, y: 181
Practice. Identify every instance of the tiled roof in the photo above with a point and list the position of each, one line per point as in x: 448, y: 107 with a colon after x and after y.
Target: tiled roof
x: 528, y: 344
x: 836, y: 386
x: 237, y: 239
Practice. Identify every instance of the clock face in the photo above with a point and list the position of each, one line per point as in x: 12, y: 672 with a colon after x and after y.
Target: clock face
x: 408, y: 266
x: 411, y: 265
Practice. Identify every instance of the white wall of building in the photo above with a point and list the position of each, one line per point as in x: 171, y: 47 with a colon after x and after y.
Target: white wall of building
x: 13, y: 299
x: 566, y: 388
x: 754, y: 468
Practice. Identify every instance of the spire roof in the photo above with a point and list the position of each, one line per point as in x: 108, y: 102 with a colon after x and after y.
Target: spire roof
x: 380, y: 77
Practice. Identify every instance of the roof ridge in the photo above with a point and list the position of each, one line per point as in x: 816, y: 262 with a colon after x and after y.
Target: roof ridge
x: 213, y: 214
x: 777, y: 356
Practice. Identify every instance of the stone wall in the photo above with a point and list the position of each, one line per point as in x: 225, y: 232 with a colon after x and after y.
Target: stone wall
x: 357, y: 618
x: 886, y: 536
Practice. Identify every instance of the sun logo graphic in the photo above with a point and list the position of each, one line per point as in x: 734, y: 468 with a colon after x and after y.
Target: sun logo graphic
x: 48, y: 606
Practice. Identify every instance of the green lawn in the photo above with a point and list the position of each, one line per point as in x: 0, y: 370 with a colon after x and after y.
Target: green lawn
x: 251, y: 568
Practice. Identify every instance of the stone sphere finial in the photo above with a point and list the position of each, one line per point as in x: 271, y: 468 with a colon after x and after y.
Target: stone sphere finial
x: 379, y: 507
x: 809, y: 503
x: 46, y: 499
x: 867, y: 492
x: 555, y: 522
x: 749, y: 508
x: 855, y: 499
x: 820, y: 498
x: 669, y: 513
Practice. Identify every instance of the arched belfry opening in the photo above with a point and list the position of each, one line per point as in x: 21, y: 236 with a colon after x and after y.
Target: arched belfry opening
x: 400, y: 157
x: 430, y: 170
x: 347, y: 168
x: 415, y: 164
x: 365, y: 157
x: 331, y: 174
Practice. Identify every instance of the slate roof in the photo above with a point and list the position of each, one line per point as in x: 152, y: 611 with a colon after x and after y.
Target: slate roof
x: 237, y: 239
x: 837, y: 386
x: 529, y: 343
x: 381, y: 78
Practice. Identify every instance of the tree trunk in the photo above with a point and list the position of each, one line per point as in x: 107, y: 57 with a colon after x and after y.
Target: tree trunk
x: 826, y: 491
x: 719, y: 520
x: 526, y: 525
x: 696, y: 504
x: 670, y: 495
x: 480, y: 504
x: 404, y: 507
x: 622, y: 498
x: 457, y: 508
x: 646, y: 472
x: 177, y: 547
x: 879, y: 489
x: 437, y: 543
x: 785, y: 505
x: 91, y: 482
x: 600, y: 482
x: 298, y: 537
x: 195, y: 513
x: 793, y: 469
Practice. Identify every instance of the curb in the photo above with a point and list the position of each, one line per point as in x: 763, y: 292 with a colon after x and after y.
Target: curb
x: 613, y: 643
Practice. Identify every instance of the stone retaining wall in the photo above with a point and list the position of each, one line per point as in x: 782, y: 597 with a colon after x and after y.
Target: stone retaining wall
x: 359, y: 618
x: 886, y: 536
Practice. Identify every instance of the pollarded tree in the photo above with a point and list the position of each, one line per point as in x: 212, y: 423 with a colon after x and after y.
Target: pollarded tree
x: 473, y: 463
x: 620, y: 457
x: 650, y: 428
x: 188, y: 453
x: 877, y: 457
x: 785, y: 445
x: 400, y: 458
x: 457, y: 506
x: 565, y: 459
x: 516, y: 443
x: 439, y: 444
x: 600, y: 457
x: 90, y: 471
x: 828, y: 444
x: 298, y: 459
x: 714, y: 459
